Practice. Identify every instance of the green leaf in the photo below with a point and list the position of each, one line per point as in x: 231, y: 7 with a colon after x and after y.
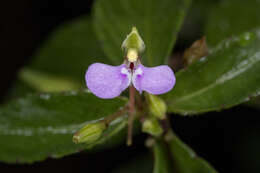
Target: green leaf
x: 142, y: 163
x: 195, y: 19
x: 185, y: 160
x: 65, y: 56
x: 47, y: 83
x: 40, y: 126
x: 60, y: 63
x: 254, y: 103
x: 158, y: 23
x: 232, y: 17
x: 227, y: 77
x: 17, y: 90
x: 162, y: 161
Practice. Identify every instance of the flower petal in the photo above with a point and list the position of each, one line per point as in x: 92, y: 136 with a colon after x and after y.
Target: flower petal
x: 154, y: 80
x: 106, y: 81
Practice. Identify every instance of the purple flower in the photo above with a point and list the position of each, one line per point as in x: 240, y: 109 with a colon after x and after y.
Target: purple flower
x: 106, y: 81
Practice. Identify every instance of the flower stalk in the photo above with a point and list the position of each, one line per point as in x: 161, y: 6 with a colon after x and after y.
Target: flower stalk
x: 117, y: 114
x: 131, y: 115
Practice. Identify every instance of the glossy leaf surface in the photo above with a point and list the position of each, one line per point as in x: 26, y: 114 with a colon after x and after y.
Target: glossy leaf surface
x: 228, y: 76
x: 231, y: 17
x: 162, y: 163
x: 40, y: 126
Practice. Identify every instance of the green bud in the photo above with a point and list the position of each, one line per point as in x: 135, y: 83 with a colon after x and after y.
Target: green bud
x: 89, y: 133
x: 152, y: 127
x: 133, y: 41
x: 157, y: 106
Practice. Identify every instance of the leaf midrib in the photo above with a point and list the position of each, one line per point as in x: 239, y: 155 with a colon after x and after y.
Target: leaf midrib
x: 25, y: 131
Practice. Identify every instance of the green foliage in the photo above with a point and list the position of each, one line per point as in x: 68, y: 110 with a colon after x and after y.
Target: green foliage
x: 40, y: 126
x: 185, y: 160
x: 61, y: 62
x: 162, y: 162
x: 195, y: 20
x: 171, y: 156
x: 227, y: 77
x: 254, y: 103
x: 47, y: 83
x: 68, y: 52
x: 232, y: 17
x: 158, y: 23
x: 140, y: 164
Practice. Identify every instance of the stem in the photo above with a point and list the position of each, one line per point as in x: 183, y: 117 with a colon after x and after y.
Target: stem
x: 117, y: 114
x: 131, y: 114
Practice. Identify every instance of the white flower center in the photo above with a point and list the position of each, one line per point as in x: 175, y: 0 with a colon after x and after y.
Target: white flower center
x: 127, y: 73
x: 131, y: 76
x: 136, y: 73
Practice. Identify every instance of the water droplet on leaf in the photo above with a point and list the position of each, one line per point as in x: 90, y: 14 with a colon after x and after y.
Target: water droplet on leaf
x: 246, y: 38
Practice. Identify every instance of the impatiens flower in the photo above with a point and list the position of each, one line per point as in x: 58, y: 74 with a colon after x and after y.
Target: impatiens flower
x: 106, y: 81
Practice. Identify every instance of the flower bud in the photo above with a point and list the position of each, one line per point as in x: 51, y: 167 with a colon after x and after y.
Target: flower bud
x: 197, y: 50
x: 152, y: 127
x: 133, y: 41
x: 89, y: 133
x: 157, y: 106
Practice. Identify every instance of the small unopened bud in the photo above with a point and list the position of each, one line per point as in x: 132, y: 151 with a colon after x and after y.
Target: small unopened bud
x: 133, y: 41
x: 157, y: 106
x: 89, y: 133
x: 152, y: 127
x: 197, y: 50
x: 149, y: 142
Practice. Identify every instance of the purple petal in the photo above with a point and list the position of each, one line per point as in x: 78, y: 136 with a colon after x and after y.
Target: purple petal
x: 154, y: 80
x: 106, y: 81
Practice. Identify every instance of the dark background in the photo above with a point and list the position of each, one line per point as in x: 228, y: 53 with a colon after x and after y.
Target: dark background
x: 229, y: 140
